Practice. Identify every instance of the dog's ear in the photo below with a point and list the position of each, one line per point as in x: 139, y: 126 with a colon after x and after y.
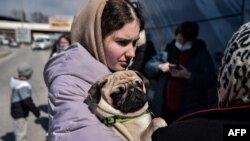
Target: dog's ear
x: 144, y: 79
x: 95, y: 91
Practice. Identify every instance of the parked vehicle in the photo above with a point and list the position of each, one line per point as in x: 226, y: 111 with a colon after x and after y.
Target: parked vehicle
x: 14, y: 43
x: 4, y: 41
x: 41, y: 43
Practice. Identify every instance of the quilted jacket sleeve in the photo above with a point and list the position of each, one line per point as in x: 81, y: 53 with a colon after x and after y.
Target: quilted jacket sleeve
x: 70, y: 118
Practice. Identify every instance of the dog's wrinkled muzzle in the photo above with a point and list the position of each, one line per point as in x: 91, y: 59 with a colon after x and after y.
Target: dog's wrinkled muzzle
x: 134, y: 101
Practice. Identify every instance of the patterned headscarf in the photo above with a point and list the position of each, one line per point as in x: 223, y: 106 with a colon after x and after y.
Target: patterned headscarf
x: 86, y: 28
x: 234, y: 75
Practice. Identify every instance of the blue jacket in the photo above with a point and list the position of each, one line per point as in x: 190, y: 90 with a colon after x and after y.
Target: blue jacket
x: 193, y: 90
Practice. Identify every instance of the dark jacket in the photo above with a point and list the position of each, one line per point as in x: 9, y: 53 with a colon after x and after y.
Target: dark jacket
x: 193, y: 90
x: 21, y: 101
x: 143, y: 54
x: 207, y: 125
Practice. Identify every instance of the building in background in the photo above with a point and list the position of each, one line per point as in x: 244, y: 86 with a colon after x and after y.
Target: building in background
x: 25, y: 32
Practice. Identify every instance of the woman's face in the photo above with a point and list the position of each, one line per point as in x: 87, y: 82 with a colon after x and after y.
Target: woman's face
x: 63, y: 43
x: 180, y: 39
x: 119, y: 46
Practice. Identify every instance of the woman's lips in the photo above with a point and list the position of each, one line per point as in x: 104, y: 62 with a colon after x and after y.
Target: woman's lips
x: 124, y: 63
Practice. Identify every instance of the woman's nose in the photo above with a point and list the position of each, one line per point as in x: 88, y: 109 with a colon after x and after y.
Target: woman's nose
x: 131, y: 51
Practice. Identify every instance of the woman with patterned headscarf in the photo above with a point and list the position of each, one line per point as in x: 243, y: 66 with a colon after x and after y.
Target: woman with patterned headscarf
x: 104, y: 34
x: 234, y: 100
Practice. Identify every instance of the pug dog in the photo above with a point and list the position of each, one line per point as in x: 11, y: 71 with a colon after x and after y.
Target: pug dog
x: 119, y: 100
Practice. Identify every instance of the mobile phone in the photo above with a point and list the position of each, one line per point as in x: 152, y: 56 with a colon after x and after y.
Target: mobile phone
x: 177, y: 67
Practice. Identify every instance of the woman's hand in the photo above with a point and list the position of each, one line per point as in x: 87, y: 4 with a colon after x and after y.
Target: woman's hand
x: 165, y: 67
x: 182, y: 72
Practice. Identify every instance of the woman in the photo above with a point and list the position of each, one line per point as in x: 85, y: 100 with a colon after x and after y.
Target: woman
x: 186, y: 72
x: 61, y: 44
x: 104, y: 34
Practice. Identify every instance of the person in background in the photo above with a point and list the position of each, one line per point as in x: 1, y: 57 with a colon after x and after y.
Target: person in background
x: 104, y: 35
x: 144, y: 52
x: 233, y: 105
x: 185, y: 70
x: 150, y: 51
x: 137, y: 62
x: 61, y: 44
x: 21, y: 101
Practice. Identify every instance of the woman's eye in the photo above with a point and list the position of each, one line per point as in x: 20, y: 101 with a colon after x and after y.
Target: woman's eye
x: 123, y: 43
x: 134, y: 43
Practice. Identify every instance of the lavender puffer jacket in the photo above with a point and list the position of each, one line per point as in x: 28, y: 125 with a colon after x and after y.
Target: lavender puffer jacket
x: 68, y: 76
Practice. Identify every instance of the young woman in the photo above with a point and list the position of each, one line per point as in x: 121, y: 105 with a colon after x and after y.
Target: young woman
x: 61, y: 44
x: 104, y: 34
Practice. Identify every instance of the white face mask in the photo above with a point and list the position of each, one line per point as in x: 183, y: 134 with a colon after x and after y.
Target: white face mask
x: 62, y: 48
x: 184, y: 47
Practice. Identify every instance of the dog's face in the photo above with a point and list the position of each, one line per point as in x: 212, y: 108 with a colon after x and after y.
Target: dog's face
x: 123, y: 90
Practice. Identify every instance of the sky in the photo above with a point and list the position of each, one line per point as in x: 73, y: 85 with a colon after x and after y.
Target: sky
x: 47, y: 7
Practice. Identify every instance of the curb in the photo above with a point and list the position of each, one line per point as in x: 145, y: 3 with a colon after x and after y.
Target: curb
x: 4, y: 53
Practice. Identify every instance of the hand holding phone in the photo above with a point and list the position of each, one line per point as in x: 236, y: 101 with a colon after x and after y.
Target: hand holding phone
x: 177, y: 67
x: 180, y: 72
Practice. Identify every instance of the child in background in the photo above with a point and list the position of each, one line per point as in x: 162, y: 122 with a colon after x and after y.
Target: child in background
x: 21, y: 101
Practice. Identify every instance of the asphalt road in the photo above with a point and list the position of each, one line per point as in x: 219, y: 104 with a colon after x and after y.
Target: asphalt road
x: 8, y: 64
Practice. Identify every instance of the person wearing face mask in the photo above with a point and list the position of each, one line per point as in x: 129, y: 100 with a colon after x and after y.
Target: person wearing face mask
x: 185, y: 71
x: 103, y: 34
x: 61, y: 44
x: 232, y: 113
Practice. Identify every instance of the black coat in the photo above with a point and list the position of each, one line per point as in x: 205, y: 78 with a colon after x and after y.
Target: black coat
x: 207, y: 125
x: 20, y: 108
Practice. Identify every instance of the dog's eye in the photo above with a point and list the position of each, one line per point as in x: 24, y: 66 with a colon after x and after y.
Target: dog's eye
x: 116, y: 96
x: 121, y: 90
x: 139, y: 84
x: 118, y: 93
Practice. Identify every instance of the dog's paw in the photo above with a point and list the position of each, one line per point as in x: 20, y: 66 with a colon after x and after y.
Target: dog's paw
x: 158, y: 122
x: 154, y: 125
